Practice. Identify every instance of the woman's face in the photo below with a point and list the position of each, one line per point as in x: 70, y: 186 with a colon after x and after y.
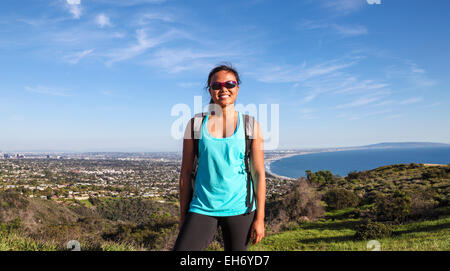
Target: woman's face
x: 224, y: 96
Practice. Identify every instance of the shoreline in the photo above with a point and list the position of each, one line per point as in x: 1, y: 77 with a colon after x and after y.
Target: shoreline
x: 269, y: 161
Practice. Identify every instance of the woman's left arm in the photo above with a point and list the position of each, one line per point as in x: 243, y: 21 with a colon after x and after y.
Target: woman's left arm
x: 258, y: 166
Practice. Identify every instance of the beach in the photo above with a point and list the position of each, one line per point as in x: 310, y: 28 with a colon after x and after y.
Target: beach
x: 268, y: 161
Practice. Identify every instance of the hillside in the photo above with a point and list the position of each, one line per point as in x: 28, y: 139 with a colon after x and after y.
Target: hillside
x: 123, y: 224
x: 321, y: 212
x: 406, y: 207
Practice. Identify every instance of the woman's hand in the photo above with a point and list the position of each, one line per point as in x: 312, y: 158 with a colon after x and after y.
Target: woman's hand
x: 257, y: 232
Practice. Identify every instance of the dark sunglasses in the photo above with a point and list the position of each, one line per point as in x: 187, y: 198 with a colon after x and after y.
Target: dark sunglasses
x: 219, y: 85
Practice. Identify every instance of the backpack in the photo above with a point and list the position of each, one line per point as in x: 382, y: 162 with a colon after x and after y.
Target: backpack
x: 196, y: 125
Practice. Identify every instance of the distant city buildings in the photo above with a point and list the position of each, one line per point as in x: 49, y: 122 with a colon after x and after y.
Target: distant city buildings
x: 17, y: 156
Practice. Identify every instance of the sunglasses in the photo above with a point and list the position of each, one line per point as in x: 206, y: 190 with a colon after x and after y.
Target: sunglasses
x: 219, y: 85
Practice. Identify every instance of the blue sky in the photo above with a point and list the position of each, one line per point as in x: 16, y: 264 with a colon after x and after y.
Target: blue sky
x: 103, y: 75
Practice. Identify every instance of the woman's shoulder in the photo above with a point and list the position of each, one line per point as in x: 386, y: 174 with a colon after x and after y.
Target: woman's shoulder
x: 194, y: 125
x: 251, y: 124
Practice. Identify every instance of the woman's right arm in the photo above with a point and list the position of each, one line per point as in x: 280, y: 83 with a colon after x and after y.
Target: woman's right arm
x: 186, y: 170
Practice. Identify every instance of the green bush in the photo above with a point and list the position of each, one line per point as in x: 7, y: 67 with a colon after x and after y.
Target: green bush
x: 338, y: 198
x: 394, y: 207
x: 11, y: 226
x: 369, y: 230
x: 320, y: 177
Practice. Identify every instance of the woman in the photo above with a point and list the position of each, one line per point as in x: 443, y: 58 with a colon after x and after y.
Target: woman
x: 221, y: 179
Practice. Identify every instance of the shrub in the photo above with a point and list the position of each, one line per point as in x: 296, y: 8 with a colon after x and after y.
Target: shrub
x: 321, y: 177
x: 372, y: 230
x: 338, y: 198
x: 352, y: 175
x: 302, y: 201
x: 436, y: 172
x: 11, y: 226
x: 393, y: 208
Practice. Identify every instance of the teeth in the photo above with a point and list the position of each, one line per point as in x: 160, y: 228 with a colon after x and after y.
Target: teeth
x: 223, y: 96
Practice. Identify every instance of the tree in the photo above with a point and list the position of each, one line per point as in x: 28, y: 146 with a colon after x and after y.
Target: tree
x: 339, y: 198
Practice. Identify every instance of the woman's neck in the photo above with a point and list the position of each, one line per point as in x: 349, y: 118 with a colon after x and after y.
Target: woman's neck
x: 226, y: 112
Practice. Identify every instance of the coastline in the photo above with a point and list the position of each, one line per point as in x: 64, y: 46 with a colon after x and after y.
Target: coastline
x: 269, y: 161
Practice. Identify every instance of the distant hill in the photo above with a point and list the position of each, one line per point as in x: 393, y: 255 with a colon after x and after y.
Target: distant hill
x: 405, y: 145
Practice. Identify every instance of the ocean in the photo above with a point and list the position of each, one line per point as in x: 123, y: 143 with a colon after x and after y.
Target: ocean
x: 342, y: 162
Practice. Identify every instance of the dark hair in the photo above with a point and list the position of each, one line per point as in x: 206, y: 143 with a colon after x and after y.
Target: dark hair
x: 224, y: 67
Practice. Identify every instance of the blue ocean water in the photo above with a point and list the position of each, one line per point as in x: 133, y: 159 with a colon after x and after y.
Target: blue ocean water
x: 343, y: 162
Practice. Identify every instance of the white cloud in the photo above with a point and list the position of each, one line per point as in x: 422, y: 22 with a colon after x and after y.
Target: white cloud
x: 373, y: 97
x: 352, y: 85
x: 74, y: 8
x: 308, y: 98
x: 177, y: 60
x: 410, y: 71
x: 346, y: 30
x: 383, y: 103
x: 143, y: 44
x: 343, y: 7
x: 76, y: 57
x: 371, y: 2
x: 411, y: 100
x: 342, y: 30
x: 147, y: 17
x: 102, y: 20
x: 299, y: 73
x: 129, y: 2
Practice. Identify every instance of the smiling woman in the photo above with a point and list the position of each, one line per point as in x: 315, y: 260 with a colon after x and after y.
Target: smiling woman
x: 221, y: 189
x: 229, y: 72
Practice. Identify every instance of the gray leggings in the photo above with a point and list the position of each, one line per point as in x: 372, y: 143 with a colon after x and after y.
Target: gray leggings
x: 198, y: 230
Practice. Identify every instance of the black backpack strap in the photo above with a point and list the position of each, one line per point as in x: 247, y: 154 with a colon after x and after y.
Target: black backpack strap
x: 249, y: 135
x: 196, y: 134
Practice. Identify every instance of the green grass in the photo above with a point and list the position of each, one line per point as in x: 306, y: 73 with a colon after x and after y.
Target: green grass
x: 86, y: 203
x: 337, y: 235
x: 16, y: 242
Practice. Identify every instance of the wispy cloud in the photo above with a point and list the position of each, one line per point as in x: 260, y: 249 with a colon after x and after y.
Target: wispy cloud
x: 411, y: 100
x: 143, y: 44
x: 148, y: 17
x: 129, y: 2
x: 435, y: 104
x: 102, y: 20
x: 343, y: 7
x: 302, y: 72
x: 352, y: 84
x: 74, y: 7
x: 76, y: 57
x: 49, y: 91
x: 412, y: 73
x: 365, y: 100
x: 177, y: 60
x: 340, y: 29
x: 350, y: 30
x: 384, y: 103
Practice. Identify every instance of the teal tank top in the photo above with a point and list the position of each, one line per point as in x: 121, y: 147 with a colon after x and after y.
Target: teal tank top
x: 221, y: 181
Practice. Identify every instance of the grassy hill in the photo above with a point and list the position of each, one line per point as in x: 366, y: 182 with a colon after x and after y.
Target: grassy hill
x: 404, y: 206
x: 108, y: 224
x: 331, y: 235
